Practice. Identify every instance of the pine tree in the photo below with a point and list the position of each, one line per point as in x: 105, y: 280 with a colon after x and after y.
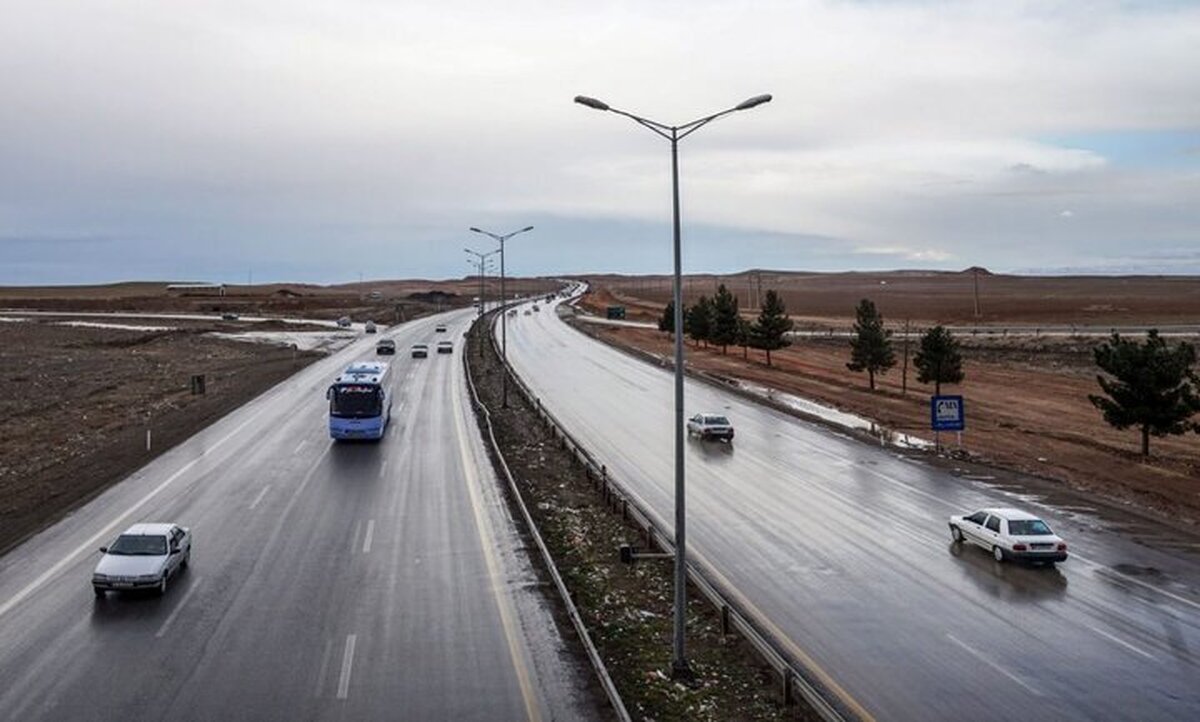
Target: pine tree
x: 666, y: 322
x: 724, y: 329
x: 769, y: 331
x: 939, y: 360
x: 1153, y: 387
x: 698, y: 323
x: 871, y: 347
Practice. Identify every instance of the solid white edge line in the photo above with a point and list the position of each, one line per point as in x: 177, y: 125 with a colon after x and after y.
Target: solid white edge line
x: 1122, y: 642
x: 983, y: 658
x: 366, y: 547
x: 71, y: 556
x: 343, y: 689
x: 178, y: 608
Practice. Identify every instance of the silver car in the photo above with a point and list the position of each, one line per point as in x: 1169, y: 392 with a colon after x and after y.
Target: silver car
x: 146, y: 556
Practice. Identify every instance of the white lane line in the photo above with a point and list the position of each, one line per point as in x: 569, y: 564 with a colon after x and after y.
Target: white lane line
x: 71, y: 556
x: 260, y: 496
x: 369, y: 536
x: 1122, y: 642
x: 347, y: 664
x: 300, y: 446
x: 178, y: 608
x: 983, y: 658
x: 1139, y: 582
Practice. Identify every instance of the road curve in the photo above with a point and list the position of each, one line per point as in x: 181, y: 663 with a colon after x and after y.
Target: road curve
x: 355, y: 582
x: 841, y: 549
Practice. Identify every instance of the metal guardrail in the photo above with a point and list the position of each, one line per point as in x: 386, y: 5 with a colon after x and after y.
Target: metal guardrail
x: 619, y: 499
x: 610, y: 689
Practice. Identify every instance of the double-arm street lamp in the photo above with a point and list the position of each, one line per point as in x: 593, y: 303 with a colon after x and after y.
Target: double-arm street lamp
x: 503, y: 300
x: 480, y: 263
x: 676, y: 133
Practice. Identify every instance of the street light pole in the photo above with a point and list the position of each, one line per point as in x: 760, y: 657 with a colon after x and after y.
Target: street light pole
x: 674, y: 134
x: 482, y: 257
x: 503, y: 315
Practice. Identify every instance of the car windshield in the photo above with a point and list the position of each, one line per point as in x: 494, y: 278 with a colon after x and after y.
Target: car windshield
x: 147, y: 545
x: 1028, y: 527
x: 718, y: 420
x: 355, y: 401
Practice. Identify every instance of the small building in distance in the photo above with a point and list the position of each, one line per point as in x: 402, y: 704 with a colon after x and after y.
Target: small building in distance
x: 196, y: 289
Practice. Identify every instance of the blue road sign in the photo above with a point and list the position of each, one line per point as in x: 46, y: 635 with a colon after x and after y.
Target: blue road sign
x: 947, y: 413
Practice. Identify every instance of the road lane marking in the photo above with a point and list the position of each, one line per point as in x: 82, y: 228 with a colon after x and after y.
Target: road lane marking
x: 507, y: 615
x: 300, y: 446
x: 119, y: 519
x: 369, y: 536
x: 178, y: 608
x: 1139, y: 582
x: 1122, y: 642
x: 260, y: 496
x: 347, y: 665
x: 983, y: 658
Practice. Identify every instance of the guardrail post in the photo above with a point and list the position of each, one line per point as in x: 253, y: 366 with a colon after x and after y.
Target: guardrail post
x: 724, y: 619
x: 788, y: 700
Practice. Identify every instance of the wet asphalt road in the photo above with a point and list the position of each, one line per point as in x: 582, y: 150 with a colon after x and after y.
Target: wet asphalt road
x: 841, y: 549
x: 348, y: 582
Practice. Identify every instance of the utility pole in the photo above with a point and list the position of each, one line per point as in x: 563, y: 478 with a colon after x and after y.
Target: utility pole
x: 975, y: 275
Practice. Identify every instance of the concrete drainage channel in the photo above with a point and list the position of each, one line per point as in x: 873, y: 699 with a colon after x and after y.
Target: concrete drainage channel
x: 791, y: 677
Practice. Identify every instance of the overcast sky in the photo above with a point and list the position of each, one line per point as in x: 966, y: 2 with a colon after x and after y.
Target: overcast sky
x: 315, y: 141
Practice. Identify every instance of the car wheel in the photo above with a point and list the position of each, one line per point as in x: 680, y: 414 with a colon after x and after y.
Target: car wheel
x: 187, y: 559
x: 162, y: 585
x: 998, y: 554
x: 98, y: 592
x: 956, y: 534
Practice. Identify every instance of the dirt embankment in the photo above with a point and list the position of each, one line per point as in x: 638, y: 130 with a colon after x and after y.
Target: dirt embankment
x: 1027, y: 410
x: 75, y: 403
x: 626, y: 608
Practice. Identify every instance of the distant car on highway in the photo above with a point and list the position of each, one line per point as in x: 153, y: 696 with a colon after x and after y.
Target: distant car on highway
x: 344, y: 322
x: 535, y: 308
x: 445, y: 347
x: 229, y: 316
x: 369, y: 327
x: 710, y: 426
x: 385, y: 346
x: 420, y: 350
x: 1009, y: 534
x: 440, y: 329
x: 146, y: 556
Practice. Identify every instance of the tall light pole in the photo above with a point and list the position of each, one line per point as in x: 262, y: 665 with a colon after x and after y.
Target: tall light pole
x: 676, y: 133
x: 503, y: 300
x: 482, y: 257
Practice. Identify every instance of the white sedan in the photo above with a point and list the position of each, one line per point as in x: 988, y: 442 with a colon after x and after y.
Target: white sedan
x: 146, y: 556
x: 710, y: 426
x: 1010, y: 534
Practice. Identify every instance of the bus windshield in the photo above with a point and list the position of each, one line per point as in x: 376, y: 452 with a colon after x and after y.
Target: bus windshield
x: 357, y: 401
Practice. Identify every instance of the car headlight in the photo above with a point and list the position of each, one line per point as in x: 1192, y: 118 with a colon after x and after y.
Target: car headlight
x: 148, y: 577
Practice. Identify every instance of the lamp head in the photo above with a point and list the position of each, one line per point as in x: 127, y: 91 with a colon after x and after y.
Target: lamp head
x: 755, y: 101
x: 591, y: 102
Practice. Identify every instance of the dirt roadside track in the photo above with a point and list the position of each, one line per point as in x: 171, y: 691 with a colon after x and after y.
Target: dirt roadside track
x: 75, y: 403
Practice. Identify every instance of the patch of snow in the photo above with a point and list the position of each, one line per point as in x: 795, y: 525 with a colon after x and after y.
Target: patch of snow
x: 835, y: 416
x: 118, y: 326
x: 7, y: 319
x: 327, y: 341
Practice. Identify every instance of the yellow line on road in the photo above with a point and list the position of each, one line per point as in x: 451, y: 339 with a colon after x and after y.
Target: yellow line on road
x: 507, y: 614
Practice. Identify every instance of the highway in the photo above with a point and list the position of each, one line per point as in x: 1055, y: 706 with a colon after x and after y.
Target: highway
x: 327, y: 581
x: 840, y: 550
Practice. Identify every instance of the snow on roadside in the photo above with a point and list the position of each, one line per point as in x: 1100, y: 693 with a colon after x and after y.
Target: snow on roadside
x: 834, y: 416
x: 326, y: 341
x: 9, y: 319
x: 118, y: 326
